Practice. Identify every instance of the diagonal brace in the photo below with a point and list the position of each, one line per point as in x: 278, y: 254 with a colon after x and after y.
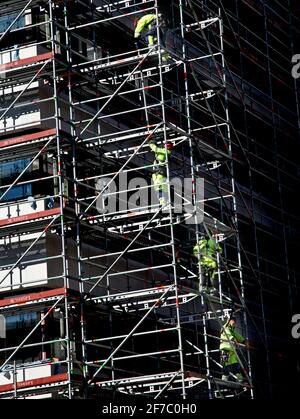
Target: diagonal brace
x: 157, y: 303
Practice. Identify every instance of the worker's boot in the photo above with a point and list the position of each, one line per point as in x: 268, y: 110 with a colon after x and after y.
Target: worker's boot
x: 213, y: 291
x: 214, y: 286
x: 205, y: 289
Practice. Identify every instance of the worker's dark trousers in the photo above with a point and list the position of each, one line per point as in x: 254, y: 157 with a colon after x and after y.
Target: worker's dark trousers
x: 153, y: 32
x: 232, y: 368
x: 207, y: 274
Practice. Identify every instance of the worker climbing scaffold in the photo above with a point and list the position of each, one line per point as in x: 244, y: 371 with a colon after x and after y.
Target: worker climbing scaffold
x: 146, y: 29
x: 206, y: 251
x: 229, y: 340
x: 159, y: 177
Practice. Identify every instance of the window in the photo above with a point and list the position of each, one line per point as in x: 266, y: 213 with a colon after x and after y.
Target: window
x: 21, y: 321
x: 18, y: 326
x: 17, y: 192
x: 6, y: 21
x: 9, y: 171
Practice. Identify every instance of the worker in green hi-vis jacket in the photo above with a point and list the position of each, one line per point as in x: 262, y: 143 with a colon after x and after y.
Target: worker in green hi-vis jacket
x: 229, y: 339
x: 159, y: 177
x: 146, y: 28
x: 206, y: 251
x: 161, y: 153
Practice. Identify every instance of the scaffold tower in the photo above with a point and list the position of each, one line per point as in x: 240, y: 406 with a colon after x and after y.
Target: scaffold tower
x: 97, y: 254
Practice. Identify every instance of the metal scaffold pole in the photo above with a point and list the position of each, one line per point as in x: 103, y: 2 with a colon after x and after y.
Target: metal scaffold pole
x: 172, y: 238
x: 53, y: 35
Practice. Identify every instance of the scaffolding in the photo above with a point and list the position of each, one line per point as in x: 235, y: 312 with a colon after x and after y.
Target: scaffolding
x: 92, y: 246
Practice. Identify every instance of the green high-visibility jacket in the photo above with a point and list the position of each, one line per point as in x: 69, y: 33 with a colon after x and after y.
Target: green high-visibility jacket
x: 228, y: 337
x: 160, y: 152
x: 159, y: 182
x: 207, y: 248
x: 144, y: 24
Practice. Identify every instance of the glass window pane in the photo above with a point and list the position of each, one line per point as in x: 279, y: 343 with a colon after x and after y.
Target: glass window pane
x: 5, y: 21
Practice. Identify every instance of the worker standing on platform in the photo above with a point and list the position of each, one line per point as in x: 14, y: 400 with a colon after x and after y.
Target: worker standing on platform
x: 228, y: 340
x: 146, y: 28
x: 206, y: 251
